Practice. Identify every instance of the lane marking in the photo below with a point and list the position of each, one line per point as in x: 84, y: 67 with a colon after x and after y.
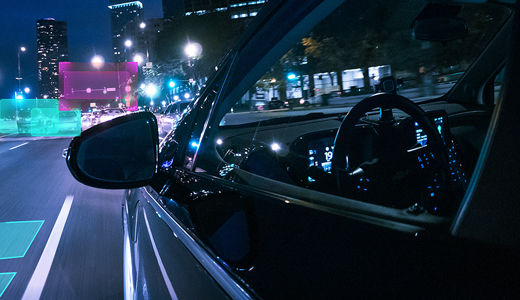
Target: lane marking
x: 35, y: 287
x: 159, y: 261
x: 17, y: 237
x: 5, y: 280
x: 18, y: 146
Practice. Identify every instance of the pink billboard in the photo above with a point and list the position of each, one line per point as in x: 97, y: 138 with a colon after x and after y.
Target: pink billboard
x: 84, y: 86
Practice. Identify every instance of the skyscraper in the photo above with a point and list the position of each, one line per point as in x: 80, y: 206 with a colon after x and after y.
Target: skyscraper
x: 125, y: 19
x: 52, y: 49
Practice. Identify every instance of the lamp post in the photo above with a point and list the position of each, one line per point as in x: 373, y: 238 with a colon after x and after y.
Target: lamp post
x: 128, y: 45
x: 151, y: 90
x: 19, y: 78
x: 192, y: 50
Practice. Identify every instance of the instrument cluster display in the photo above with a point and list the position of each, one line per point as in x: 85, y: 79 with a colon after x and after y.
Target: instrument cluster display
x: 440, y: 124
x: 320, y: 153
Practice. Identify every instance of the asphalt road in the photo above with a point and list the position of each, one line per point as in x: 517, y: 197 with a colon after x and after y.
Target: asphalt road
x: 84, y: 260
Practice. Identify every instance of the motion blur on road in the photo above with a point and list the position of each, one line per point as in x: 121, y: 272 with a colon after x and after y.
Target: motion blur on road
x: 87, y: 262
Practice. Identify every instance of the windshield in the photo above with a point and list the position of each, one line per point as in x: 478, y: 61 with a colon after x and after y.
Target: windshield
x: 362, y: 48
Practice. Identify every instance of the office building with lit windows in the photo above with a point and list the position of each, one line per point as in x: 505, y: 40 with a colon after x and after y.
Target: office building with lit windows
x: 125, y: 19
x: 52, y: 47
x: 237, y: 9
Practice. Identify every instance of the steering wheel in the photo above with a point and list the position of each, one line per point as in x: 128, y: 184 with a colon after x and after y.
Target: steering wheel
x: 343, y: 145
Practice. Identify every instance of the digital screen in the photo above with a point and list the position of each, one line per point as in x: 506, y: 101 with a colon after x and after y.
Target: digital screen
x: 421, y: 137
x: 320, y: 153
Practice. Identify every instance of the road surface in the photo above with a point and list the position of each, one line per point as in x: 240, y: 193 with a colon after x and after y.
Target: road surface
x: 82, y: 258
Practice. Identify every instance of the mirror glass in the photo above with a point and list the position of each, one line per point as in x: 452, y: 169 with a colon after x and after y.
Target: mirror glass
x: 440, y: 23
x: 124, y: 152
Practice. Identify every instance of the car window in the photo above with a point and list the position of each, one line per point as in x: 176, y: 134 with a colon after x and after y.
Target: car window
x: 284, y: 127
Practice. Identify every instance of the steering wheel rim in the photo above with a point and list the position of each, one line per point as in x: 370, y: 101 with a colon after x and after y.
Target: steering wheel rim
x: 385, y: 101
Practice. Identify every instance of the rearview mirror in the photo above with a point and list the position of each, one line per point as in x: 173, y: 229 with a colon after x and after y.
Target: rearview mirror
x: 118, y: 154
x: 439, y: 23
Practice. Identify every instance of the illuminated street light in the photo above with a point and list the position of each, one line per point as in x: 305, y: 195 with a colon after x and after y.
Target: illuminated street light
x: 138, y: 58
x: 19, y: 78
x: 142, y: 25
x: 176, y: 98
x: 97, y: 61
x: 171, y: 84
x: 291, y: 76
x: 193, y: 50
x: 142, y: 86
x: 187, y: 95
x: 151, y: 90
x: 128, y: 43
x: 163, y: 103
x: 27, y: 90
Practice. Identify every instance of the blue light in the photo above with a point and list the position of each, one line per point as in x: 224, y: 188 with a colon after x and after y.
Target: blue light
x: 432, y: 195
x: 291, y: 76
x: 167, y: 164
x: 171, y: 84
x: 194, y: 144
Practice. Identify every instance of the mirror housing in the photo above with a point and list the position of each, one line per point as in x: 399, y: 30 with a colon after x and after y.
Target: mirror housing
x: 118, y: 154
x: 439, y: 23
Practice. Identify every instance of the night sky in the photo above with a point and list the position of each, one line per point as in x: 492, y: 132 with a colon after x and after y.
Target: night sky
x: 88, y: 24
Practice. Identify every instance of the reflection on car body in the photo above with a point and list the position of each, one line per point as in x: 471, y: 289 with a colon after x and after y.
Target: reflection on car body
x: 387, y: 195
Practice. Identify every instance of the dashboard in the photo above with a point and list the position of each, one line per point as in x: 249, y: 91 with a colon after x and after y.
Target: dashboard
x: 295, y: 153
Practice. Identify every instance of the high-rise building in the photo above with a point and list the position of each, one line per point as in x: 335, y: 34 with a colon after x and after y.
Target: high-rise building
x: 126, y: 18
x: 237, y: 9
x: 52, y: 49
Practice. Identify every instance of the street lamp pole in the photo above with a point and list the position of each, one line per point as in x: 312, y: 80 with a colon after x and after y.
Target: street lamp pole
x: 19, y: 78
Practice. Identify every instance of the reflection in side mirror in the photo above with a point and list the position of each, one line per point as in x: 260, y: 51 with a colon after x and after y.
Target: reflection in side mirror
x: 439, y: 23
x: 121, y: 153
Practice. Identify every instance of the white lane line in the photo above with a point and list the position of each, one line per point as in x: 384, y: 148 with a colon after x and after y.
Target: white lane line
x: 159, y: 261
x: 12, y: 148
x: 35, y: 287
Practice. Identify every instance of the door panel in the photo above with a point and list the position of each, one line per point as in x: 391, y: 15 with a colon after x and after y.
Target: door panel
x: 301, y: 252
x: 164, y: 267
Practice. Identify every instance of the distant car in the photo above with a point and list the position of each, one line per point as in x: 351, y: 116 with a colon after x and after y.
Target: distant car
x: 70, y: 121
x: 275, y: 103
x: 109, y: 114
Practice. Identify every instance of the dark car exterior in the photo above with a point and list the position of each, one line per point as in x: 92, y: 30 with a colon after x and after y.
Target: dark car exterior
x: 190, y: 233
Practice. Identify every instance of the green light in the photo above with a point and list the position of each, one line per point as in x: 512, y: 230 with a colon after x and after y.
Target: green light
x: 5, y: 280
x: 17, y: 237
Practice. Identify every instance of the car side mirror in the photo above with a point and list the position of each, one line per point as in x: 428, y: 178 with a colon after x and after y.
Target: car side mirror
x: 439, y: 23
x: 117, y: 154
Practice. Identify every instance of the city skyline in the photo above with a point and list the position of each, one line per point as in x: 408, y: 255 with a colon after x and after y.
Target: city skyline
x: 88, y: 31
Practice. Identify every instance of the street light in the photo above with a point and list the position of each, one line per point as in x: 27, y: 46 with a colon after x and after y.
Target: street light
x: 193, y: 50
x: 171, y: 84
x: 97, y: 61
x: 27, y: 90
x: 19, y: 78
x: 128, y: 43
x: 142, y: 25
x: 138, y: 58
x: 151, y: 91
